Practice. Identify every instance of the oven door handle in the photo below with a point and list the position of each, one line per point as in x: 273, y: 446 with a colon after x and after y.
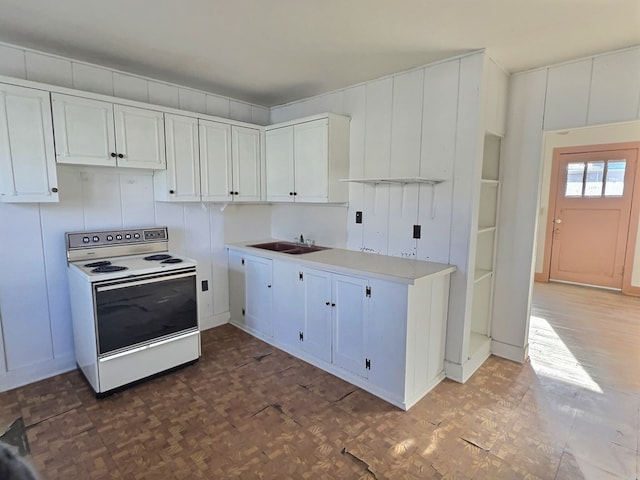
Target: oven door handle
x: 144, y: 282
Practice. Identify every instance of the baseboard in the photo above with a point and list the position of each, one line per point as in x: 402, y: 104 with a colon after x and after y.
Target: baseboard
x: 33, y: 373
x: 462, y: 373
x: 541, y: 277
x: 214, y: 321
x: 510, y: 352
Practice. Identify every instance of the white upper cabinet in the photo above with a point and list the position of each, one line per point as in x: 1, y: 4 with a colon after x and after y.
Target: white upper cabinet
x: 229, y: 162
x: 215, y: 161
x: 84, y: 131
x: 92, y: 132
x: 27, y: 159
x: 139, y: 137
x: 306, y: 158
x: 180, y: 182
x: 280, y: 165
x: 246, y: 164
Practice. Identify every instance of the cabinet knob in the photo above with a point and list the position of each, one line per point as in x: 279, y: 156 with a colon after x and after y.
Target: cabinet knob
x: 231, y: 193
x: 327, y: 303
x: 113, y: 155
x: 295, y: 193
x: 235, y: 193
x: 333, y: 304
x: 120, y: 155
x: 172, y: 192
x: 54, y: 189
x: 290, y: 193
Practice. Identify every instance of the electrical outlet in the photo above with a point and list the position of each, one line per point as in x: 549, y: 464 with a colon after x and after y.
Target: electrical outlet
x: 358, y: 217
x: 205, y: 285
x: 416, y: 231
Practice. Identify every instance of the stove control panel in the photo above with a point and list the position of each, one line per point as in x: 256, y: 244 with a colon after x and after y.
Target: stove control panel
x: 133, y: 236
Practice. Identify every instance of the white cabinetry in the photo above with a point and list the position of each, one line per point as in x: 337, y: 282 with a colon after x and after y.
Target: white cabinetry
x: 350, y: 316
x: 180, y: 182
x: 250, y: 302
x: 385, y: 336
x: 229, y: 162
x: 306, y: 158
x: 302, y: 308
x: 27, y: 158
x: 92, y: 132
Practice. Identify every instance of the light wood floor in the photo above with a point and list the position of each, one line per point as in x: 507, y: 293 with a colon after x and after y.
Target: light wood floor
x: 247, y: 410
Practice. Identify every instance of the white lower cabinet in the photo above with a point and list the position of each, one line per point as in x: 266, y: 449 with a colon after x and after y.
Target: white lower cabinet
x: 350, y: 312
x: 384, y: 336
x: 302, y: 308
x: 250, y: 300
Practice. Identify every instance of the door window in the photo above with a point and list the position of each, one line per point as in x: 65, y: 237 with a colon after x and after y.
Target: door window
x: 595, y: 179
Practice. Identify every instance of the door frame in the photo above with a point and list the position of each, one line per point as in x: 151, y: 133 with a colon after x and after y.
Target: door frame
x: 634, y: 214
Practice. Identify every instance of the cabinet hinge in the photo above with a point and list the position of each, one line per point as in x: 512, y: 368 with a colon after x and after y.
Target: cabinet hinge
x: 301, y: 276
x: 243, y: 312
x: 367, y: 364
x: 301, y: 337
x: 243, y: 261
x: 368, y: 291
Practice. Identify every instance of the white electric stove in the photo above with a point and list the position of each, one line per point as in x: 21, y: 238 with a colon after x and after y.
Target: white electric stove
x: 134, y: 305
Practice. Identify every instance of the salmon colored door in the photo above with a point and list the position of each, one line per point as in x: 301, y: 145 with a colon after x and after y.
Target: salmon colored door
x: 590, y: 218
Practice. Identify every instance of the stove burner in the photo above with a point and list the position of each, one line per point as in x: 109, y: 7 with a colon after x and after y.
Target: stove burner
x: 160, y: 256
x: 101, y: 263
x: 108, y: 268
x: 172, y: 260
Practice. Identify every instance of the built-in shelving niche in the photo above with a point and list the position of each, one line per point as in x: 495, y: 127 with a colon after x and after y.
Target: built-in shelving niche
x: 482, y: 299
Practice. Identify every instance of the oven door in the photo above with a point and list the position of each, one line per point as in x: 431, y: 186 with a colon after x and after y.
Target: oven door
x: 136, y: 311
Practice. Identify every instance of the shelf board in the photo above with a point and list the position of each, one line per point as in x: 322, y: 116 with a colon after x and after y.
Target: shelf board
x: 486, y: 228
x: 394, y: 180
x: 481, y: 274
x: 478, y: 342
x: 488, y: 181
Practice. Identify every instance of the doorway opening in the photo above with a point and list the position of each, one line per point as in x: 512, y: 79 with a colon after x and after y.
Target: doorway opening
x: 590, y: 232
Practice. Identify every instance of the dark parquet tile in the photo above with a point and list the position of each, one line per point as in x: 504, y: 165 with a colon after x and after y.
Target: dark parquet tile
x: 249, y: 411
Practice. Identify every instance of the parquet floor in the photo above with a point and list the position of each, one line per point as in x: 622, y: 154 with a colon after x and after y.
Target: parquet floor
x: 247, y: 410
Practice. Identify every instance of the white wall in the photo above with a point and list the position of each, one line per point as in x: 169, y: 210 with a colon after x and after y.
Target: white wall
x: 34, y: 300
x: 325, y: 224
x: 593, y: 91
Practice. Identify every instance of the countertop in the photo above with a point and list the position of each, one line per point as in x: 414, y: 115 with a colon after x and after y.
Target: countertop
x: 384, y: 267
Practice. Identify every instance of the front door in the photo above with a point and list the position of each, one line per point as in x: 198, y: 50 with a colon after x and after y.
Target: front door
x: 590, y: 220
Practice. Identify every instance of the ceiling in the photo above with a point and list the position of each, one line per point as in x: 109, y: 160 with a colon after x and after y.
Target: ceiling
x: 271, y: 52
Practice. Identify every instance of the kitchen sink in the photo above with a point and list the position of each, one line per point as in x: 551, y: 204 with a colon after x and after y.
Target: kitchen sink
x: 288, y: 247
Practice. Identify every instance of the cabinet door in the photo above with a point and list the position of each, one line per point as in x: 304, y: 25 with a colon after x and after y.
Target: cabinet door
x: 139, y: 137
x: 246, y: 164
x: 350, y: 316
x: 288, y: 303
x: 83, y: 131
x: 317, y: 313
x: 215, y: 161
x: 279, y: 164
x: 236, y: 287
x: 27, y: 161
x: 180, y: 182
x: 258, y: 298
x: 311, y: 161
